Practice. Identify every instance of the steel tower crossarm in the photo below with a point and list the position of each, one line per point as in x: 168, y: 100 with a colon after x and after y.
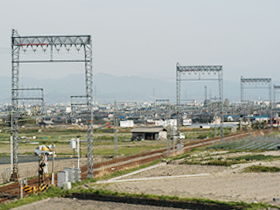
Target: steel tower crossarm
x: 29, y: 41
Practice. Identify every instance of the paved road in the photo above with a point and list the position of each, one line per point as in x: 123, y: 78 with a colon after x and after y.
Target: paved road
x: 197, y: 125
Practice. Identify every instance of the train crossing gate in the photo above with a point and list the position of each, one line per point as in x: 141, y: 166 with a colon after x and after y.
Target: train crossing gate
x: 204, y: 73
x: 22, y: 43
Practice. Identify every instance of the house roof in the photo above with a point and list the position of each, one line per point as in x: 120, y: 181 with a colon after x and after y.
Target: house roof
x: 48, y: 122
x: 147, y: 130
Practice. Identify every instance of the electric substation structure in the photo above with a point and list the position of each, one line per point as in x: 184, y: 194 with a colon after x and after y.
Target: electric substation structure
x: 77, y: 102
x: 15, y: 114
x: 31, y: 98
x: 116, y: 122
x: 19, y: 43
x: 74, y: 101
x: 200, y: 71
x: 131, y: 103
x: 167, y: 108
x: 257, y: 83
x: 160, y: 102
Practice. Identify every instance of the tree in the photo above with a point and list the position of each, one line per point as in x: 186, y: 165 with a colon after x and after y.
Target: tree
x: 226, y: 102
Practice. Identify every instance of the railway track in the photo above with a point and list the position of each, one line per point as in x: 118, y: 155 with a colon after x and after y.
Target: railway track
x: 13, y: 190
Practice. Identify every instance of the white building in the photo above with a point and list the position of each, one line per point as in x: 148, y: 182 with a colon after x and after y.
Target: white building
x: 127, y: 124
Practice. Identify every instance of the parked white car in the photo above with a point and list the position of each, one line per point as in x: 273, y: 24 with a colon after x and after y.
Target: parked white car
x: 182, y: 136
x: 43, y: 149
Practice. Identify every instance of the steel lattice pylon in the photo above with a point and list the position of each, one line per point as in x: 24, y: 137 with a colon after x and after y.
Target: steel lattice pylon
x: 54, y: 42
x: 256, y: 83
x: 199, y: 70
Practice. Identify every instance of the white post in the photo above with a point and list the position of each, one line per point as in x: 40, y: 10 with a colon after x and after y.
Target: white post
x: 53, y: 164
x: 78, y: 151
x: 12, y: 156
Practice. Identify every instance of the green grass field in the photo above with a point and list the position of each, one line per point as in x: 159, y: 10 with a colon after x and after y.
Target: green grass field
x: 103, y: 140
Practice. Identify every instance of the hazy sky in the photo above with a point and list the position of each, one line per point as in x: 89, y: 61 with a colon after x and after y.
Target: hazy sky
x: 147, y: 37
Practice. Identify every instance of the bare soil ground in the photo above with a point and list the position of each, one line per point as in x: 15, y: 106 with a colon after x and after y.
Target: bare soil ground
x: 224, y: 184
x: 67, y: 203
x: 170, y: 170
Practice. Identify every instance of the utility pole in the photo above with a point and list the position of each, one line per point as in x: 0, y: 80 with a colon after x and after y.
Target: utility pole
x: 168, y: 147
x: 53, y: 164
x: 115, y: 129
x: 248, y: 118
x: 215, y: 125
x: 205, y: 93
x: 78, y: 150
x: 173, y: 134
x: 259, y: 114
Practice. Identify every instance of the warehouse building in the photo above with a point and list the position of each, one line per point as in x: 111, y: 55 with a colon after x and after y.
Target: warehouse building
x: 148, y: 133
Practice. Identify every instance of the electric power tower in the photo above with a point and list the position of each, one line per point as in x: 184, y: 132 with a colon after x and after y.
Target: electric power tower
x: 201, y: 72
x: 19, y: 43
x: 257, y: 83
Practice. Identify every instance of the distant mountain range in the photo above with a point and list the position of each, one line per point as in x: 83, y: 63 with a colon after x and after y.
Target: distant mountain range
x: 109, y: 87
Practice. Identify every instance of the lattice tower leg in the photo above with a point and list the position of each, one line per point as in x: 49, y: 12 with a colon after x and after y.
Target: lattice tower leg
x: 89, y: 92
x: 15, y: 86
x: 178, y: 95
x: 222, y: 104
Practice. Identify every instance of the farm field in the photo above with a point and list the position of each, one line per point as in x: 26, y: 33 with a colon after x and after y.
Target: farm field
x: 264, y: 143
x: 103, y: 140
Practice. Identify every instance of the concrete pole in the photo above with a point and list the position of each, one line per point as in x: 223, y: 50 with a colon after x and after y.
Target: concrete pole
x: 115, y: 130
x: 259, y: 114
x: 173, y: 134
x: 168, y: 147
x: 12, y: 156
x: 215, y: 126
x: 78, y: 151
x: 53, y: 164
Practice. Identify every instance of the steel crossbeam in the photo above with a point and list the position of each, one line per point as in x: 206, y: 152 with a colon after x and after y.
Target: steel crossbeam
x: 55, y: 43
x: 30, y: 41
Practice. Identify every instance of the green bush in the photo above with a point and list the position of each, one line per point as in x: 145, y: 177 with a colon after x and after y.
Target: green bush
x: 261, y: 169
x: 254, y: 157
